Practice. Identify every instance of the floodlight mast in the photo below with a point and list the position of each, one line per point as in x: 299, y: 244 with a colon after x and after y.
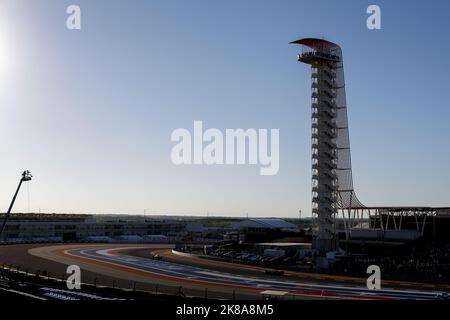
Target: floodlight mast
x: 26, y: 176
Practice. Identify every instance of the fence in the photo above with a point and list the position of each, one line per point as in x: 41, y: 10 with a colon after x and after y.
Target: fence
x: 117, y: 287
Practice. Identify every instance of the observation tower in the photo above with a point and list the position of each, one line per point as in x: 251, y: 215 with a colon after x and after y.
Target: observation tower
x: 332, y: 183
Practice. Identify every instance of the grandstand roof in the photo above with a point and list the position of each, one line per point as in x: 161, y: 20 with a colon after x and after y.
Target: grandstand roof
x: 265, y: 223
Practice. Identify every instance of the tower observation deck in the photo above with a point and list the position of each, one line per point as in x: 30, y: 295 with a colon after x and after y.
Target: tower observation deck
x: 332, y: 182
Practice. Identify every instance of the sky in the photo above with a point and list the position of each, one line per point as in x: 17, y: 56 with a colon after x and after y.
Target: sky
x: 90, y: 112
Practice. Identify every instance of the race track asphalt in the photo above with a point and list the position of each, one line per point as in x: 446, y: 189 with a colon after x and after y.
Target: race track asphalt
x: 130, y: 266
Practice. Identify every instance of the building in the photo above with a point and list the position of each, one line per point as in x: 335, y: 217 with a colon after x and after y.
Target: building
x: 284, y: 248
x: 263, y: 224
x: 264, y: 229
x: 74, y: 227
